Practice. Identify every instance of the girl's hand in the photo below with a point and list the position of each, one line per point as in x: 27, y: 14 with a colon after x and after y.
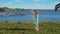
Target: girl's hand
x: 32, y: 11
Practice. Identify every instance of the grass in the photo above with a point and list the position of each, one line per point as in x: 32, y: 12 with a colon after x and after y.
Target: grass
x: 28, y: 28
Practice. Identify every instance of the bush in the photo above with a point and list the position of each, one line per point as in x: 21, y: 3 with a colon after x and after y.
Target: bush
x: 19, y: 22
x: 6, y: 21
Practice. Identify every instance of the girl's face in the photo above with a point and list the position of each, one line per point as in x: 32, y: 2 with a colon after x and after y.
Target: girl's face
x: 36, y: 12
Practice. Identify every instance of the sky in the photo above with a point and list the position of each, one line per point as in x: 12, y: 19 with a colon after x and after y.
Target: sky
x: 29, y: 4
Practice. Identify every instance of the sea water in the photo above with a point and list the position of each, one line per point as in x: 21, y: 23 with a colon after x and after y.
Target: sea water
x: 44, y: 16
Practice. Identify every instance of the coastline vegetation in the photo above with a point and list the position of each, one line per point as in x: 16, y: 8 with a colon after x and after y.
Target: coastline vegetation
x: 3, y: 9
x: 28, y: 28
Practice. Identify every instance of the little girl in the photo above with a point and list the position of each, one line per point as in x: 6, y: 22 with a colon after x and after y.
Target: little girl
x: 35, y: 18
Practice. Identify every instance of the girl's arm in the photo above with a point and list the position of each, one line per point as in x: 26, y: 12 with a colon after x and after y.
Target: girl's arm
x: 32, y: 12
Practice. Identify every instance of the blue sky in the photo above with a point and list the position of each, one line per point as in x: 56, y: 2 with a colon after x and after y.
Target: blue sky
x: 29, y: 4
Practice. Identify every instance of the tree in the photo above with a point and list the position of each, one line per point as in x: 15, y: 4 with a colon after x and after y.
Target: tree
x: 57, y: 6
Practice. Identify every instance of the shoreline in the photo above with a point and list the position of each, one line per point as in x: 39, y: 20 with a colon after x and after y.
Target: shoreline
x: 27, y: 22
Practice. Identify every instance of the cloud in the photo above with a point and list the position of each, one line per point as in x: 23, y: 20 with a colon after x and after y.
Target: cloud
x: 39, y: 0
x: 9, y: 2
x: 18, y: 1
x: 36, y: 0
x: 57, y: 2
x: 43, y: 0
x: 6, y: 4
x: 36, y: 5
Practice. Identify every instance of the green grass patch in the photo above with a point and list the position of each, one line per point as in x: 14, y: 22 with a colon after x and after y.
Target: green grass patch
x: 28, y: 28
